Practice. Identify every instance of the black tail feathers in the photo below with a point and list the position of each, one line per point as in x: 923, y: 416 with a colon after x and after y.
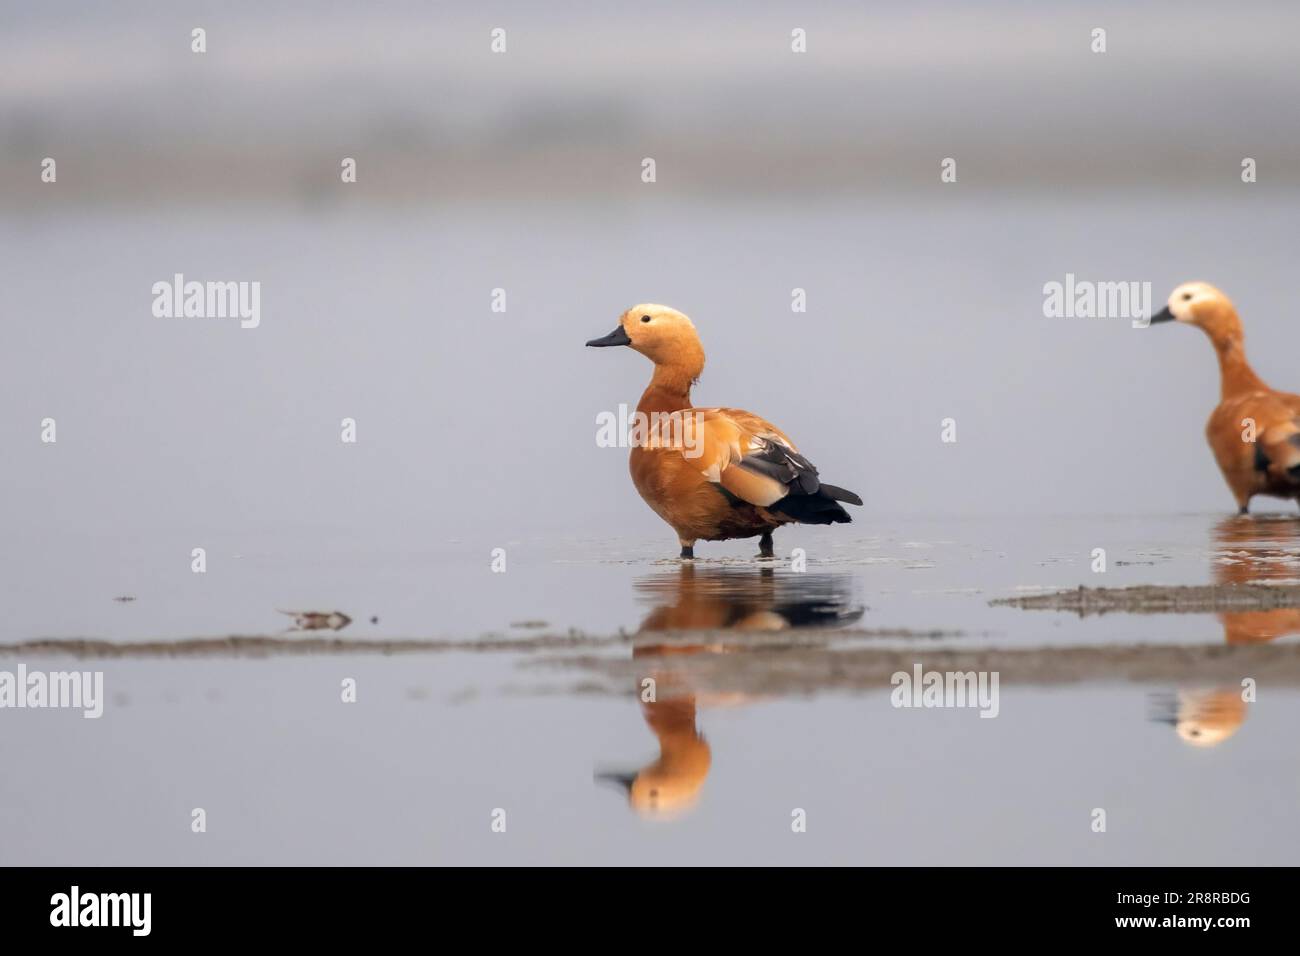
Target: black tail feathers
x: 812, y: 509
x: 840, y: 494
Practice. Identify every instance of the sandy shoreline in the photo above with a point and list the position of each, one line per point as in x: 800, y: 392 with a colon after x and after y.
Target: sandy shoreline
x: 1160, y: 599
x: 794, y: 661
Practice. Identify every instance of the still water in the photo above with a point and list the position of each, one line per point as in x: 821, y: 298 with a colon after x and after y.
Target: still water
x: 781, y: 703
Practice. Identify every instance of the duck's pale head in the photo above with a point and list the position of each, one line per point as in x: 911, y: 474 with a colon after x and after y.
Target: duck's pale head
x: 669, y: 787
x: 661, y: 334
x: 1208, y: 718
x: 1202, y: 305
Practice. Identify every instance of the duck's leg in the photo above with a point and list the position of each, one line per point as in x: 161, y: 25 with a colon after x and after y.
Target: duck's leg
x: 765, y: 549
x: 688, y: 549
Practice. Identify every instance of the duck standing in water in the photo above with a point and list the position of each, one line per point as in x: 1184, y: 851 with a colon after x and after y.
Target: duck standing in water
x: 1255, y: 431
x: 723, y: 473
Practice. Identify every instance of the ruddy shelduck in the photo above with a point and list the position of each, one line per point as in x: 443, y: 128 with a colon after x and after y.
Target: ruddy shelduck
x: 712, y: 473
x: 1255, y: 431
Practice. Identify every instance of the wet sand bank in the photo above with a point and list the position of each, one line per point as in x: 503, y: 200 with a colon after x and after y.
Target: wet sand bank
x: 1159, y: 599
x: 776, y: 671
x: 777, y: 663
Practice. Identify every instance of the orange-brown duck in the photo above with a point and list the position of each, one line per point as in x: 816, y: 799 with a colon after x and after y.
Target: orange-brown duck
x: 713, y: 473
x: 1254, y: 432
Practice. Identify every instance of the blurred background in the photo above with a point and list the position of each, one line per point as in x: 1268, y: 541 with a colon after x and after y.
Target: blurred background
x: 522, y: 171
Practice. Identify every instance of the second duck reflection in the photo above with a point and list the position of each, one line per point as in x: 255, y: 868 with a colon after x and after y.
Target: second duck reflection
x: 1257, y: 551
x: 1245, y: 551
x: 703, y: 599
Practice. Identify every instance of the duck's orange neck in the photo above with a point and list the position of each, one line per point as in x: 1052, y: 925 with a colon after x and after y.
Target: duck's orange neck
x: 669, y: 389
x: 682, y: 749
x: 1236, y: 377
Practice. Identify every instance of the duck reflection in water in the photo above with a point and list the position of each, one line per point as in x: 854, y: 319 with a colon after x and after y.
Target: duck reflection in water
x: 1258, y: 551
x: 703, y: 599
x: 1202, y: 717
x: 1264, y: 550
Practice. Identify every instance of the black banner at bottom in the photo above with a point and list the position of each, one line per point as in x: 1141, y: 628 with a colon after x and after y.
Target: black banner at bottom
x: 331, y: 906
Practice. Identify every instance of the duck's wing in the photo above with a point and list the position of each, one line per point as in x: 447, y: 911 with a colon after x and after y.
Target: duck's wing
x: 754, y: 460
x: 1276, y: 419
x: 1277, y: 451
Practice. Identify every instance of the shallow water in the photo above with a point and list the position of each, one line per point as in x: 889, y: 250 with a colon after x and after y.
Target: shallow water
x: 476, y: 434
x: 752, y: 720
x: 914, y: 574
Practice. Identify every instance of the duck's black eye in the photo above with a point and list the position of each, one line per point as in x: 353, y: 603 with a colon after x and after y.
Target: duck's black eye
x: 645, y: 318
x: 1186, y: 296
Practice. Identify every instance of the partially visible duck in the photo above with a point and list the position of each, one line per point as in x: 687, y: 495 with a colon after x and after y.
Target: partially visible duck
x: 1269, y: 465
x: 725, y: 473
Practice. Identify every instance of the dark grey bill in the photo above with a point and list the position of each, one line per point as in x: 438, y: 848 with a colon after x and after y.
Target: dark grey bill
x: 617, y: 337
x: 623, y: 781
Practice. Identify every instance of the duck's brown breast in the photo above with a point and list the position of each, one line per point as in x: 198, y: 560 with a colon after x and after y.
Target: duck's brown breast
x: 694, y: 506
x: 1239, y: 458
